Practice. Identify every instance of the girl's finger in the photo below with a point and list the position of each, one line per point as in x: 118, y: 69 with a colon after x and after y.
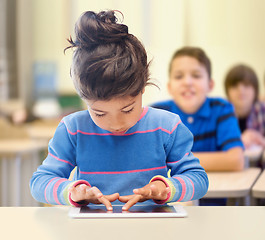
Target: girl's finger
x: 113, y: 197
x: 125, y: 199
x: 94, y: 192
x: 149, y: 191
x: 131, y: 202
x: 152, y: 192
x: 106, y: 202
x: 145, y: 191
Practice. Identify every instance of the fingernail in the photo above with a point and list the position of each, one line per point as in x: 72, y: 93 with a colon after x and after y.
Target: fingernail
x: 110, y: 208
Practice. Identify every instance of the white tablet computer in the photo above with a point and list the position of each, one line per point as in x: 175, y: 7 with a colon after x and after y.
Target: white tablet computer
x: 137, y: 211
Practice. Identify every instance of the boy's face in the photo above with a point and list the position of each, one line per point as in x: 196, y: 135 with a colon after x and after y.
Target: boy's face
x: 242, y: 97
x: 116, y: 115
x: 189, y: 83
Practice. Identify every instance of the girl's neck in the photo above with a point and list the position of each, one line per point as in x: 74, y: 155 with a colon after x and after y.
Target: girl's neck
x: 144, y: 111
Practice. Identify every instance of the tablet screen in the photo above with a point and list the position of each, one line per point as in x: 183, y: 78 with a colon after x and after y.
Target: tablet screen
x: 99, y: 211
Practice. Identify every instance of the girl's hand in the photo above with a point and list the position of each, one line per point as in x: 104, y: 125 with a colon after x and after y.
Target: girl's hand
x: 156, y: 190
x: 83, y: 192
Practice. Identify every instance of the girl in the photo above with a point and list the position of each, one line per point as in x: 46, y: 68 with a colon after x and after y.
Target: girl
x: 121, y: 150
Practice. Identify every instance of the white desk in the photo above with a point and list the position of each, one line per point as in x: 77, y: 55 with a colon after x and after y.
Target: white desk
x: 207, y: 223
x: 13, y: 150
x: 231, y: 184
x: 258, y: 190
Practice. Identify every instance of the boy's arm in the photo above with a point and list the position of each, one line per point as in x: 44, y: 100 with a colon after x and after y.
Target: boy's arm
x: 228, y: 155
x: 229, y: 160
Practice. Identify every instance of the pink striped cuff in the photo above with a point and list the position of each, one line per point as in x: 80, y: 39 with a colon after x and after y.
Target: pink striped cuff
x: 74, y: 185
x: 184, y: 188
x: 55, y: 188
x: 45, y: 190
x: 192, y: 184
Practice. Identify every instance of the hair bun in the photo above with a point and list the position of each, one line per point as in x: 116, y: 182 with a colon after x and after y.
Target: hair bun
x: 94, y: 29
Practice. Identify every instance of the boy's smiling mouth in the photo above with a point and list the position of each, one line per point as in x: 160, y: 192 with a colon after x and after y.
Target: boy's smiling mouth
x: 188, y: 94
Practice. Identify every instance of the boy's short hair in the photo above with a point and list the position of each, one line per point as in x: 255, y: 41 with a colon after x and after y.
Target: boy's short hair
x: 242, y: 74
x: 194, y: 52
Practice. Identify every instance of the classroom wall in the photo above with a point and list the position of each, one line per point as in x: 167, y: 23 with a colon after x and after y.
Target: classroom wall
x: 229, y: 31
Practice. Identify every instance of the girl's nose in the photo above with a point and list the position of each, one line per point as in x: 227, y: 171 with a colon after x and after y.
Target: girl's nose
x: 116, y: 124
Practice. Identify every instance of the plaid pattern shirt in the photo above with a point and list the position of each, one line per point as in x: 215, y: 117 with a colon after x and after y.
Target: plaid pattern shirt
x: 256, y: 119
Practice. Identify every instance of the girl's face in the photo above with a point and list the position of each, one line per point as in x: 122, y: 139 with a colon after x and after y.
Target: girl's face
x: 242, y: 97
x: 189, y: 83
x: 116, y: 115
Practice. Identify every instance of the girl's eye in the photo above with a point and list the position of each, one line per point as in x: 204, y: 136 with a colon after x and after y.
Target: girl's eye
x: 99, y: 115
x: 126, y: 112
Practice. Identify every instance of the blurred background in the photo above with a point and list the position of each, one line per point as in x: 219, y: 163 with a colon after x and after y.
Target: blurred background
x: 34, y: 71
x: 33, y: 37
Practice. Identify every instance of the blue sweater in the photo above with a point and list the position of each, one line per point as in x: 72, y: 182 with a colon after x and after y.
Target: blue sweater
x: 159, y: 141
x: 214, y: 125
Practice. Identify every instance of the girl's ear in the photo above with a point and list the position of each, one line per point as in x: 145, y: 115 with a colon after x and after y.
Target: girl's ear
x: 143, y: 90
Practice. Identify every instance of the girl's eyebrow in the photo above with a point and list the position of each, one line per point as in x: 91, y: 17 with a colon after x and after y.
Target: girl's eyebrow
x: 127, y: 105
x: 97, y: 110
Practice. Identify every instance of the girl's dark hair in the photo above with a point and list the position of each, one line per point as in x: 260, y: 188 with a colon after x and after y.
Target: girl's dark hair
x: 242, y: 74
x: 107, y: 61
x: 196, y: 53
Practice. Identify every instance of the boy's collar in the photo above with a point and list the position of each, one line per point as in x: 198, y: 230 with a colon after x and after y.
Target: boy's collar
x: 204, y: 110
